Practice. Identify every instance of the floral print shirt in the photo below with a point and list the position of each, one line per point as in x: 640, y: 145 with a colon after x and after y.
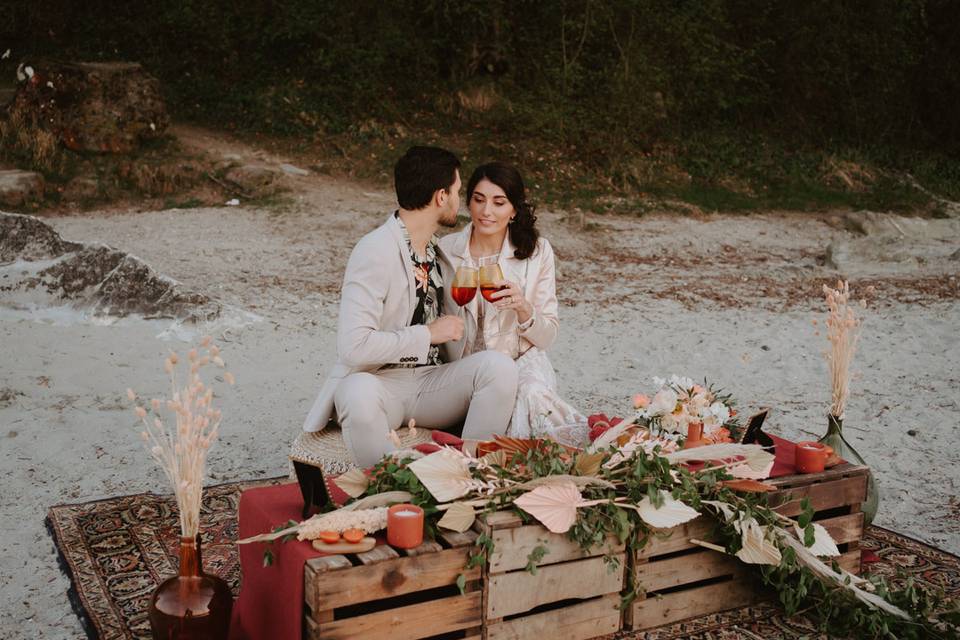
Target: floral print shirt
x: 429, y: 280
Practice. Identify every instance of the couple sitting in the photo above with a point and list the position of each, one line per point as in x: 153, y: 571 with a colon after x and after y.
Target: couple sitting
x: 408, y: 351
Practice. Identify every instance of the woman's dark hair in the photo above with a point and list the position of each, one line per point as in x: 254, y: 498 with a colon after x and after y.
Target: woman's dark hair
x: 523, y: 230
x: 421, y: 172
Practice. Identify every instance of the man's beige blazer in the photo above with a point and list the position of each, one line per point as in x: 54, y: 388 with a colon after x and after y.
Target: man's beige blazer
x: 377, y: 302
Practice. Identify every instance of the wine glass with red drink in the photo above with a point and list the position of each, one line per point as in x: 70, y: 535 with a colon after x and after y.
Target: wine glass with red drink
x: 464, y: 286
x: 490, y: 274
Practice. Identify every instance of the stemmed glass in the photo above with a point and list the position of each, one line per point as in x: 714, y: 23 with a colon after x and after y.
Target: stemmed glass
x: 490, y: 273
x: 464, y: 286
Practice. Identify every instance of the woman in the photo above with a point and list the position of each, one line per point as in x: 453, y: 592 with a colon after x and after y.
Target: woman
x: 522, y: 319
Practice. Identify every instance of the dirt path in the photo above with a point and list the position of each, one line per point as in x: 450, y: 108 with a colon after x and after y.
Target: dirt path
x: 727, y: 297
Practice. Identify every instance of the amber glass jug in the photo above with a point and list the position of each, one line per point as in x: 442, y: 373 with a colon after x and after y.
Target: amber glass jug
x: 191, y: 605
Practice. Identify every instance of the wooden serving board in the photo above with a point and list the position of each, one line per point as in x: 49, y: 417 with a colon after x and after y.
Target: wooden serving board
x: 343, y: 546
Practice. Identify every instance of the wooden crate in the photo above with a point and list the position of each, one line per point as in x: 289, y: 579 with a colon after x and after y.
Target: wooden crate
x: 396, y: 594
x: 683, y: 580
x: 574, y: 594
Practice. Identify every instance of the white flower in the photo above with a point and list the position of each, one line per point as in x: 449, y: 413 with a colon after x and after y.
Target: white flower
x: 663, y: 403
x: 658, y: 381
x: 720, y: 412
x: 681, y: 382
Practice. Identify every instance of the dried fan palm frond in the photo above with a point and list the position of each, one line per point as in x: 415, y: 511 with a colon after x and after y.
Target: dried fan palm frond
x: 354, y: 483
x: 588, y: 464
x: 459, y: 517
x: 842, y: 578
x: 823, y: 543
x: 756, y: 548
x: 445, y: 474
x: 725, y: 509
x: 672, y: 513
x: 746, y: 472
x: 753, y: 455
x: 496, y: 458
x: 579, y: 481
x: 555, y: 506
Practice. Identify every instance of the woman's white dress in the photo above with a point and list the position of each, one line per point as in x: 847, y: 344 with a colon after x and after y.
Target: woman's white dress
x: 540, y: 412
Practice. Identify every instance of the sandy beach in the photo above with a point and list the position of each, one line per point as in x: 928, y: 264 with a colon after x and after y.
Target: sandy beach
x: 729, y: 298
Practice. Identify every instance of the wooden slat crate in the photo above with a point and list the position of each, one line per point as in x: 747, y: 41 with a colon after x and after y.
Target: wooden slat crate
x: 573, y: 595
x: 396, y: 594
x: 683, y: 580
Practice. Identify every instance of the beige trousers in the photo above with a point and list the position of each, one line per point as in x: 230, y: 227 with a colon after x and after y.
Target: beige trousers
x: 479, y: 390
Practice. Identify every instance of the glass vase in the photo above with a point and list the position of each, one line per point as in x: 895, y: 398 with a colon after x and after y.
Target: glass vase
x: 834, y: 438
x: 191, y: 605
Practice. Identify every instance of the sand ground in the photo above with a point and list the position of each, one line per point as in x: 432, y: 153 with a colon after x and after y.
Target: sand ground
x: 731, y: 298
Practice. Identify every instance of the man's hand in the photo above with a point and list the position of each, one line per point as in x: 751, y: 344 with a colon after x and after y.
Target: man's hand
x: 445, y: 329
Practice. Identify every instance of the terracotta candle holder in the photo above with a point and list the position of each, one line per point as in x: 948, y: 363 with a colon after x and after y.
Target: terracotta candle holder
x: 811, y: 457
x: 405, y: 526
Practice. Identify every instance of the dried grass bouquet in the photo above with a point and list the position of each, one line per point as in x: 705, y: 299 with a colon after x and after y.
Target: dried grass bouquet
x: 180, y: 446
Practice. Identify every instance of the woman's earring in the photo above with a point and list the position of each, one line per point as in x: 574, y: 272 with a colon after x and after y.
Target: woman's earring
x: 511, y: 220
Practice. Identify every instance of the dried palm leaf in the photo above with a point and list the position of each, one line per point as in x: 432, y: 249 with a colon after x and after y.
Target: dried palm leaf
x: 354, y: 483
x: 725, y: 509
x: 579, y: 481
x: 670, y: 514
x: 746, y: 472
x: 459, y: 517
x: 588, y: 464
x: 496, y: 458
x: 842, y: 578
x: 756, y: 548
x: 555, y: 506
x: 445, y: 474
x: 823, y: 543
x: 753, y: 454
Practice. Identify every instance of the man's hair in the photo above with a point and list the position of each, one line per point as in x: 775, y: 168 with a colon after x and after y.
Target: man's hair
x: 421, y: 172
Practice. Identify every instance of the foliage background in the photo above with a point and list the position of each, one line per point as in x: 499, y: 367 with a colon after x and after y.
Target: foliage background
x: 739, y: 103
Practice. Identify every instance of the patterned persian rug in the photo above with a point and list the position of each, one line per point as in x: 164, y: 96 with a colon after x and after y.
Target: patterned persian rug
x: 117, y: 550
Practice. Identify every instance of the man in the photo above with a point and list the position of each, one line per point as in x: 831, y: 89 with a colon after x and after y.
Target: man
x: 392, y: 327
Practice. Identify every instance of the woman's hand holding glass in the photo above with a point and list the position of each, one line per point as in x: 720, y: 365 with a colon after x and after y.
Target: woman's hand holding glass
x: 509, y: 295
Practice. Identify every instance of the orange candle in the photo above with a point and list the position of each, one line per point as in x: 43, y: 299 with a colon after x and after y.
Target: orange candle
x: 811, y: 457
x: 405, y: 526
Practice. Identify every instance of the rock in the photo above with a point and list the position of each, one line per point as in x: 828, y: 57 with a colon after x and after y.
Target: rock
x: 253, y: 179
x: 81, y: 188
x: 911, y: 432
x: 871, y: 223
x: 94, y: 277
x: 955, y: 255
x: 107, y: 107
x: 293, y: 171
x: 28, y: 238
x: 20, y: 187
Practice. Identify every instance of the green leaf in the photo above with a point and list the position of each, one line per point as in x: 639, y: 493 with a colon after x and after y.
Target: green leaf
x: 462, y: 583
x: 267, y: 557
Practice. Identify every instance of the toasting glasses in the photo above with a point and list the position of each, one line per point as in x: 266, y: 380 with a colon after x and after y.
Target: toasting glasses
x: 490, y: 273
x: 464, y: 285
